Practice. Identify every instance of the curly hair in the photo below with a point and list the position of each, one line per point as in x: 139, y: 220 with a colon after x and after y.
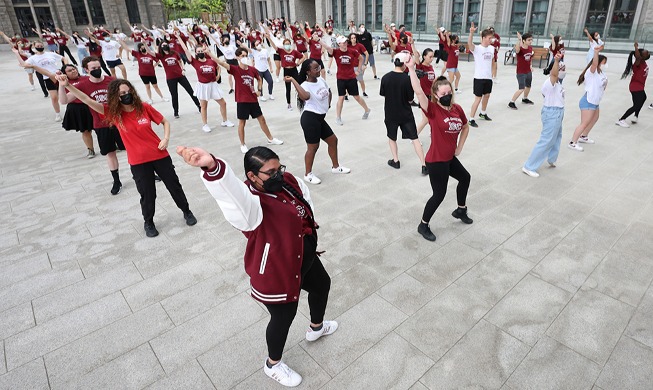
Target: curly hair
x: 114, y: 110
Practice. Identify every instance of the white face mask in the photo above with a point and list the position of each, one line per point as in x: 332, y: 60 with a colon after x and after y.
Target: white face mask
x: 259, y: 47
x: 561, y: 42
x: 598, y: 36
x: 562, y: 74
x: 604, y: 66
x: 362, y: 29
x: 244, y: 61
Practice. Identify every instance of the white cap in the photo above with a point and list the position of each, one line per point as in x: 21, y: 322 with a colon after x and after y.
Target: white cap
x: 442, y: 29
x: 403, y: 57
x: 341, y: 39
x: 392, y: 25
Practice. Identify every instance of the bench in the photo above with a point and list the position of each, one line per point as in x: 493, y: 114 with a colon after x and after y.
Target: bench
x: 539, y: 53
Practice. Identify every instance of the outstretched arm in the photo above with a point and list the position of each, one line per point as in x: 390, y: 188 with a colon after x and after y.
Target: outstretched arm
x: 183, y: 46
x: 417, y: 88
x: 90, y: 102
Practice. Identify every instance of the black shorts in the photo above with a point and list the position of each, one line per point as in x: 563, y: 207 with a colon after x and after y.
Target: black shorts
x: 109, y: 140
x: 347, y: 86
x: 276, y: 57
x: 245, y: 110
x: 50, y: 85
x: 315, y: 127
x: 482, y: 87
x: 149, y: 79
x: 113, y: 64
x: 408, y: 130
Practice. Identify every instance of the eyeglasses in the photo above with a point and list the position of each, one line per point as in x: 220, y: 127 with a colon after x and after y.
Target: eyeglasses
x: 271, y: 173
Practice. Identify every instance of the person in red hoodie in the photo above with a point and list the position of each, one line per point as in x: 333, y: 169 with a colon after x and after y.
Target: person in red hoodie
x: 274, y: 211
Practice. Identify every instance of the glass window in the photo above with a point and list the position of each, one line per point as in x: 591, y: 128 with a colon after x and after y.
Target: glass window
x: 132, y: 11
x: 334, y: 9
x: 20, y: 2
x: 538, y: 16
x: 97, y: 14
x: 623, y: 18
x: 79, y: 12
x: 343, y: 14
x: 408, y: 14
x: 474, y: 12
x: 243, y: 9
x: 457, y: 15
x: 378, y: 16
x: 597, y: 14
x: 518, y: 17
x: 421, y: 15
x: 25, y: 21
x: 282, y: 7
x: 369, y: 18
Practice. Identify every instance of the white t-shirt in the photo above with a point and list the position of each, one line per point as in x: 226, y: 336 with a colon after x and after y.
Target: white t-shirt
x: 119, y: 36
x: 595, y: 84
x: 483, y: 61
x: 110, y: 50
x: 229, y: 52
x: 554, y: 95
x: 49, y: 60
x: 261, y: 59
x: 81, y: 42
x: 319, y: 100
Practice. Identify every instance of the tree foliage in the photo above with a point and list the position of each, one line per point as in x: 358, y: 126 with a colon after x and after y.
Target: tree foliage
x: 176, y: 8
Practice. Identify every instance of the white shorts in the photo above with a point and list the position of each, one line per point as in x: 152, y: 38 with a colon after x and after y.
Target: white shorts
x: 208, y: 91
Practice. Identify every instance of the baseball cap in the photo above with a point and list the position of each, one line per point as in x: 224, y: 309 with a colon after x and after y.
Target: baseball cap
x: 442, y: 29
x: 402, y: 57
x: 392, y: 25
x: 341, y: 39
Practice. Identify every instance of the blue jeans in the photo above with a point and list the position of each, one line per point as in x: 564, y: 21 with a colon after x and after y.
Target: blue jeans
x: 548, y: 146
x: 81, y: 54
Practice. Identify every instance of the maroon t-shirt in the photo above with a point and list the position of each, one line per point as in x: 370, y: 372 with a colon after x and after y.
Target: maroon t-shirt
x: 49, y: 38
x: 346, y: 61
x: 427, y: 81
x: 360, y: 49
x: 300, y: 42
x: 171, y: 64
x: 453, y: 51
x: 640, y: 73
x: 206, y: 71
x: 524, y: 58
x: 97, y: 91
x: 445, y: 127
x: 145, y: 63
x: 288, y: 59
x: 244, y: 80
x: 315, y: 48
x: 62, y: 40
x: 407, y: 48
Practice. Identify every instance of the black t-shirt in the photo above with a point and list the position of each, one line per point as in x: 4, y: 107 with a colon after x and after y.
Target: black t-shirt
x: 365, y: 39
x: 398, y: 94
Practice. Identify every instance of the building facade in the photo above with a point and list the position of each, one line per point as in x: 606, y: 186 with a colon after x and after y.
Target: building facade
x: 625, y: 20
x: 21, y: 16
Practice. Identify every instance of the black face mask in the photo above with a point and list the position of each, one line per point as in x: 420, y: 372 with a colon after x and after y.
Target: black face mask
x: 127, y: 99
x: 143, y: 51
x: 97, y: 73
x: 200, y: 56
x: 165, y: 47
x: 274, y: 183
x: 39, y: 49
x: 446, y: 100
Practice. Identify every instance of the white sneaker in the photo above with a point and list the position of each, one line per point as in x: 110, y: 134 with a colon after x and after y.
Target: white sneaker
x: 33, y: 88
x: 165, y: 99
x: 366, y: 114
x: 575, y: 146
x: 458, y: 91
x: 283, y: 374
x: 529, y: 172
x: 650, y: 106
x: 263, y: 99
x: 328, y: 327
x: 289, y: 107
x: 149, y: 101
x: 57, y: 118
x: 244, y: 149
x: 495, y: 81
x: 206, y: 128
x: 634, y: 120
x: 339, y: 121
x: 311, y: 178
x: 340, y: 169
x: 227, y: 123
x: 278, y: 80
x: 275, y: 141
x: 329, y: 72
x: 271, y: 97
x: 622, y: 123
x: 584, y: 140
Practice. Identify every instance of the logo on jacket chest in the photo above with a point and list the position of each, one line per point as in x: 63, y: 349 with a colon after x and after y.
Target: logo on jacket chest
x: 301, y: 210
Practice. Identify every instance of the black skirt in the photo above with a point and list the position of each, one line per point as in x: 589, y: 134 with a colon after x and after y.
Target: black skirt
x: 77, y: 117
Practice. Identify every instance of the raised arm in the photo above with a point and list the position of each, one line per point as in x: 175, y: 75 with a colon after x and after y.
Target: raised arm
x: 470, y: 40
x: 5, y: 37
x: 417, y: 88
x: 595, y: 60
x: 90, y: 102
x: 267, y: 34
x: 518, y: 44
x: 591, y: 39
x: 183, y: 46
x: 38, y: 33
x: 638, y: 56
x: 553, y: 76
x: 21, y: 62
x: 553, y: 42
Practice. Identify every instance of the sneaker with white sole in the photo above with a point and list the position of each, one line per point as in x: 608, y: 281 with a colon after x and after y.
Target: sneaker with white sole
x: 340, y: 169
x: 165, y: 99
x: 283, y: 374
x: 311, y: 178
x: 289, y: 107
x: 622, y: 123
x: 244, y: 148
x: 634, y: 120
x: 275, y: 141
x: 339, y: 122
x: 149, y: 101
x: 366, y: 114
x: 650, y: 106
x: 57, y: 118
x: 206, y: 128
x: 271, y: 97
x: 33, y: 88
x: 459, y: 91
x: 227, y: 123
x: 529, y: 172
x: 575, y: 146
x: 263, y: 99
x: 90, y: 154
x: 328, y: 327
x: 584, y: 140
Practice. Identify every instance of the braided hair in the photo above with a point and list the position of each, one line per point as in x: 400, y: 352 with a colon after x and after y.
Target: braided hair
x: 303, y: 76
x: 630, y: 62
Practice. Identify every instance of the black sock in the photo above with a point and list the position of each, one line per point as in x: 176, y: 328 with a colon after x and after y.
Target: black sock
x: 267, y: 363
x: 116, y: 176
x: 316, y: 328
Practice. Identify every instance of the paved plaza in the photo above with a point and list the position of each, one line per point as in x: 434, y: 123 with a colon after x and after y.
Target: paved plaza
x: 549, y: 288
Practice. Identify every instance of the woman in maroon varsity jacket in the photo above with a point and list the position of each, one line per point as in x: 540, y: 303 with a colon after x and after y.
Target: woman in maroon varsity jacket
x: 274, y: 211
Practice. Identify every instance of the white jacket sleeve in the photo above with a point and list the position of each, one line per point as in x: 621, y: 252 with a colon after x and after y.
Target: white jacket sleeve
x: 306, y: 193
x: 240, y: 207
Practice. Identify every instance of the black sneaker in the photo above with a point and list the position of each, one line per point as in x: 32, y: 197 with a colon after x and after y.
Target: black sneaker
x: 414, y: 104
x: 484, y: 116
x: 190, y: 218
x: 117, y: 186
x: 157, y: 178
x: 473, y: 123
x: 231, y: 91
x: 176, y: 116
x: 426, y: 232
x: 527, y: 101
x: 512, y: 105
x: 150, y: 229
x: 394, y: 164
x: 364, y: 94
x: 461, y: 214
x: 424, y: 170
x: 375, y: 78
x: 347, y: 98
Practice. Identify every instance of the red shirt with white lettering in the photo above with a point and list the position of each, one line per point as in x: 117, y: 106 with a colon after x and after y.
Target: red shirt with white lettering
x: 49, y: 38
x: 640, y: 73
x: 206, y: 71
x: 97, y: 91
x: 171, y: 64
x: 360, y: 49
x: 560, y: 48
x: 75, y: 83
x: 140, y: 140
x: 315, y: 47
x: 524, y: 58
x: 136, y: 36
x: 288, y: 58
x: 427, y: 81
x: 407, y: 48
x: 453, y: 51
x: 145, y: 63
x: 300, y: 42
x: 62, y: 40
x: 245, y: 87
x: 346, y: 61
x: 445, y: 127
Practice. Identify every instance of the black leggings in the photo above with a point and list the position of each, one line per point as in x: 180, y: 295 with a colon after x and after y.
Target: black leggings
x: 440, y: 54
x: 64, y: 49
x: 172, y: 87
x: 439, y: 173
x: 639, y: 98
x: 316, y: 281
x: 292, y: 72
x: 268, y: 79
x: 42, y: 84
x: 104, y: 66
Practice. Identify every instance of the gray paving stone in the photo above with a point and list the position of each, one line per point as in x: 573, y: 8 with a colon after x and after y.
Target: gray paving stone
x: 355, y: 335
x: 16, y: 320
x: 418, y: 386
x: 535, y: 240
x: 495, y: 275
x: 100, y: 347
x: 484, y: 358
x: 528, y: 310
x: 191, y: 377
x: 490, y: 232
x: 400, y: 255
x: 551, y: 365
x: 3, y: 361
x: 617, y: 208
x: 31, y: 376
x: 636, y: 242
x: 392, y: 363
x: 198, y: 335
x: 84, y: 292
x: 442, y: 322
x: 640, y: 327
x: 565, y: 214
x: 133, y: 370
x: 591, y: 324
x: 46, y: 337
x: 23, y: 270
x: 407, y: 293
x: 630, y: 367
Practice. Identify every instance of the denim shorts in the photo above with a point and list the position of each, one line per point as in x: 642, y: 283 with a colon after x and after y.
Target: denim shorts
x: 585, y: 105
x: 452, y: 70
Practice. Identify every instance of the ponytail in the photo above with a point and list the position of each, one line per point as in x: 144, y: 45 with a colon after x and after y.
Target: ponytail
x: 581, y: 78
x: 425, y: 53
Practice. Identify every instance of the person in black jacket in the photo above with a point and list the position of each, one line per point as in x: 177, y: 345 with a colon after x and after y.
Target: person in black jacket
x: 365, y: 38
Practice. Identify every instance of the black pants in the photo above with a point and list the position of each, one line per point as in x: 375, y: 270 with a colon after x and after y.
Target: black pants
x: 172, y: 87
x: 440, y: 54
x: 316, y: 281
x: 439, y: 173
x: 267, y: 76
x: 143, y: 175
x: 292, y: 72
x: 42, y: 84
x: 639, y: 98
x: 63, y: 49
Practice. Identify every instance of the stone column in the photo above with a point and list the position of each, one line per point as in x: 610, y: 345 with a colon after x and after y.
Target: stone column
x: 565, y: 17
x: 390, y: 12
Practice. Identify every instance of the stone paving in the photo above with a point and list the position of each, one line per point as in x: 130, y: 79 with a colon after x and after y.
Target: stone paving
x: 549, y: 288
